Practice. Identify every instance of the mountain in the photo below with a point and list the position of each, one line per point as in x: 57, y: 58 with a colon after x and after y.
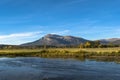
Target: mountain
x: 111, y: 40
x: 57, y: 40
x: 117, y: 42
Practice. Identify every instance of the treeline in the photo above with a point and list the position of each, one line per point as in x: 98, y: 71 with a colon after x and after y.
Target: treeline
x: 24, y: 47
x: 89, y: 44
x: 97, y: 44
x: 35, y: 47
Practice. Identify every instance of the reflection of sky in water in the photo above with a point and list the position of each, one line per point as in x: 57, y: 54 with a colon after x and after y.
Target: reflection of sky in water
x: 57, y: 69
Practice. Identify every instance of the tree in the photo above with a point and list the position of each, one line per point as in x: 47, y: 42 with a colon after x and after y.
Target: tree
x: 87, y: 45
x: 81, y: 45
x: 97, y: 43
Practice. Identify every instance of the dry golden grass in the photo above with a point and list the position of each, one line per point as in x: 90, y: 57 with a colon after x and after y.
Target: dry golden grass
x: 61, y: 52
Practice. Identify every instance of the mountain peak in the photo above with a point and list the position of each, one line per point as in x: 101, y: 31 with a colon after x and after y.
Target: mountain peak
x: 52, y: 35
x: 58, y: 40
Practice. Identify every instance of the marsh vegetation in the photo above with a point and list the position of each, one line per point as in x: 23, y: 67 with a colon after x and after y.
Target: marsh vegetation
x: 62, y: 52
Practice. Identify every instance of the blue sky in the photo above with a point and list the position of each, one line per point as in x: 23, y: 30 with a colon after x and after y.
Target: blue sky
x: 24, y: 21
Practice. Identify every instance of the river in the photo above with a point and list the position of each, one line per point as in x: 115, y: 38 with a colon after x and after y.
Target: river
x: 33, y: 68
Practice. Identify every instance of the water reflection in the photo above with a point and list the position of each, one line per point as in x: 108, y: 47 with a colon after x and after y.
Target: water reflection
x: 99, y: 59
x: 32, y: 68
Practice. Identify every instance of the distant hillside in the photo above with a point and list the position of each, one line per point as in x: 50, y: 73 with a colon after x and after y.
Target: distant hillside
x: 115, y: 41
x: 57, y: 40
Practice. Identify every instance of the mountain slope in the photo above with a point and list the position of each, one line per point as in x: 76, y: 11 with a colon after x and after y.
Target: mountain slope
x: 111, y: 40
x: 117, y: 42
x: 57, y: 40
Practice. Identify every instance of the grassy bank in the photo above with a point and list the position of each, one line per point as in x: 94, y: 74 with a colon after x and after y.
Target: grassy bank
x: 63, y: 52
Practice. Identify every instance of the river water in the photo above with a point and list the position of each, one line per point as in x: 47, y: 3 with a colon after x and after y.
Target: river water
x: 33, y: 68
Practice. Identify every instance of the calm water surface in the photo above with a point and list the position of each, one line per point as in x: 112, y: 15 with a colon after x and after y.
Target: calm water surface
x: 57, y: 69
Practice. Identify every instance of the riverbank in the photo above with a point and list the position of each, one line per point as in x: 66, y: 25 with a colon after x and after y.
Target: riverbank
x: 62, y: 52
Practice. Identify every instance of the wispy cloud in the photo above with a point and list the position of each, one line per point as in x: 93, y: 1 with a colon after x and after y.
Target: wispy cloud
x: 13, y: 22
x: 100, y: 32
x: 29, y: 34
x: 19, y: 38
x: 4, y: 2
x: 61, y: 32
x: 75, y: 1
x: 69, y: 3
x: 12, y: 2
x: 16, y: 19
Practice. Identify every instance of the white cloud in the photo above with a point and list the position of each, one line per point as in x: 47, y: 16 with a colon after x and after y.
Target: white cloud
x: 19, y: 38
